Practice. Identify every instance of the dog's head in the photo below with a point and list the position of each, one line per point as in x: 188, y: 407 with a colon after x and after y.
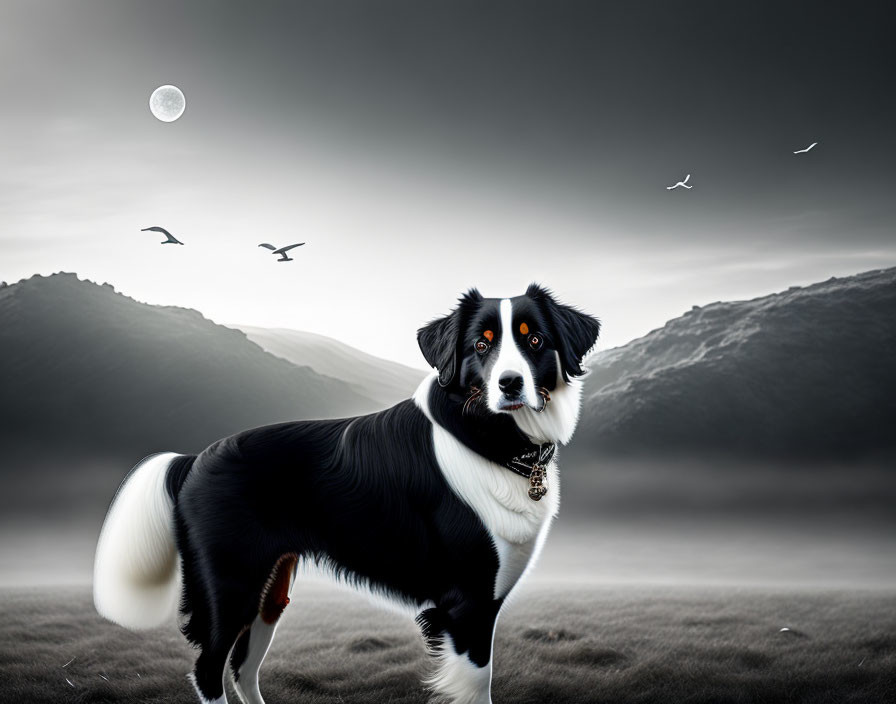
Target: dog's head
x: 513, y: 355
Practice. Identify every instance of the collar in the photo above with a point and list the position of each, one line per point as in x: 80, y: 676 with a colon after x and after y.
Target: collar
x: 532, y: 464
x: 533, y: 457
x: 495, y: 437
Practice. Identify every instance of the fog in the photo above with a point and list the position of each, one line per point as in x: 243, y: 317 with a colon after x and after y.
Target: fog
x: 686, y: 522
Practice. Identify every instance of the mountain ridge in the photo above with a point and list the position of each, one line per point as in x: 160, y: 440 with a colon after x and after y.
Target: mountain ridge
x: 720, y: 377
x: 804, y: 372
x: 97, y: 370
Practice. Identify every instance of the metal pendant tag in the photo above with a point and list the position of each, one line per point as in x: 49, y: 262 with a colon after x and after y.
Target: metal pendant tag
x: 537, y: 489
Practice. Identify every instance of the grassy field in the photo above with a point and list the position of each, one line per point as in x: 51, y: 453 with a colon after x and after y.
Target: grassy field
x: 554, y: 644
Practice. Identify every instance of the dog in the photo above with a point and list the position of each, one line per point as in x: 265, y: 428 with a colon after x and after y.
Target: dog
x: 439, y: 504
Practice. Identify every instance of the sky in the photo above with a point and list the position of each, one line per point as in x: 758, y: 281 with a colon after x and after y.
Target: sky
x: 422, y: 148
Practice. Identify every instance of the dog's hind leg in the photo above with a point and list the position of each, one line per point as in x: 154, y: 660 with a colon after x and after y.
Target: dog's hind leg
x: 231, y: 614
x: 203, y: 679
x: 208, y: 671
x: 252, y: 646
x: 246, y: 659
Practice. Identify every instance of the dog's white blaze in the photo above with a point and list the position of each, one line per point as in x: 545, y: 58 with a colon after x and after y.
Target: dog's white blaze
x: 558, y: 421
x: 457, y: 679
x: 510, y: 359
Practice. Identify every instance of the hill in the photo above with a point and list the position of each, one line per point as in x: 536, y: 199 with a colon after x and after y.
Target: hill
x: 808, y: 372
x: 90, y: 371
x: 380, y: 379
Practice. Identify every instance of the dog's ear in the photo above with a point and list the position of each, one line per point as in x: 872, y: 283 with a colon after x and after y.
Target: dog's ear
x: 574, y: 332
x: 439, y: 343
x: 441, y: 340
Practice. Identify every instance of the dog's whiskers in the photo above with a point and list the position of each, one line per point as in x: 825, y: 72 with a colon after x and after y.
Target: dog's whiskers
x: 546, y: 395
x: 475, y: 396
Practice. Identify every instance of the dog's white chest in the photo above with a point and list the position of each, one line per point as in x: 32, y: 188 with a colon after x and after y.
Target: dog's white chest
x: 518, y: 524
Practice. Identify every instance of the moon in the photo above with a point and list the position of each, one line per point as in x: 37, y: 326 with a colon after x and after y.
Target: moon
x: 167, y: 103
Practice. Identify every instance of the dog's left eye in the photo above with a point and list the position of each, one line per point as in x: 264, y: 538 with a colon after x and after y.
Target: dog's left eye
x: 535, y: 341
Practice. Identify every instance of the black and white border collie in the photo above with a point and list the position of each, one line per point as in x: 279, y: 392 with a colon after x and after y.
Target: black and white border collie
x: 439, y: 504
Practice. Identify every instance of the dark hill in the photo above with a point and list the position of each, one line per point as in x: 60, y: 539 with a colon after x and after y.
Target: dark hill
x: 810, y: 372
x: 90, y: 371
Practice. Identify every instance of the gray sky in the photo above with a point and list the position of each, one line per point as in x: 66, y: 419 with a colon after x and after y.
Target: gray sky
x: 421, y: 148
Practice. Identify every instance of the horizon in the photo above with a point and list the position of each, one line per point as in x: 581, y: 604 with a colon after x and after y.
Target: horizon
x: 421, y: 364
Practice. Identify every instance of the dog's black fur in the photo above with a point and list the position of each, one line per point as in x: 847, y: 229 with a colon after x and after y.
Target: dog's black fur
x: 364, y: 497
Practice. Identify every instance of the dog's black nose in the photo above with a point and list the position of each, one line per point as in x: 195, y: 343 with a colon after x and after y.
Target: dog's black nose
x: 510, y: 383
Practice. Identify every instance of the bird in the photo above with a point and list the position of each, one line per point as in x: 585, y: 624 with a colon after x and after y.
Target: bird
x: 803, y: 151
x: 171, y: 238
x: 282, y: 250
x: 681, y: 183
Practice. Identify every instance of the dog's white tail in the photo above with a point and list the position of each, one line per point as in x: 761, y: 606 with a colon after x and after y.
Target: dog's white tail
x: 136, y: 573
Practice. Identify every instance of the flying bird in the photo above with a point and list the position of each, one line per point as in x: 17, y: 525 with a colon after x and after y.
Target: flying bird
x: 803, y: 151
x: 171, y: 238
x: 282, y: 250
x: 681, y: 183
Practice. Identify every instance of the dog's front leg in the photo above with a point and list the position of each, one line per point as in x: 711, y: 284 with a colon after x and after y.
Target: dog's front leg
x: 459, y: 638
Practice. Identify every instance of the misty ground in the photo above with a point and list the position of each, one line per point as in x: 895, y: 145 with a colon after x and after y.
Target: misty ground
x: 620, y: 522
x: 554, y: 644
x: 659, y: 583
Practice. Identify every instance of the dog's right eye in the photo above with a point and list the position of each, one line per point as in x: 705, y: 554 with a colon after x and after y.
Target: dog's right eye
x: 481, y: 346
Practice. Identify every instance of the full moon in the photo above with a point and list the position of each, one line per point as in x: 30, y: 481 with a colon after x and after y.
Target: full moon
x: 167, y: 103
